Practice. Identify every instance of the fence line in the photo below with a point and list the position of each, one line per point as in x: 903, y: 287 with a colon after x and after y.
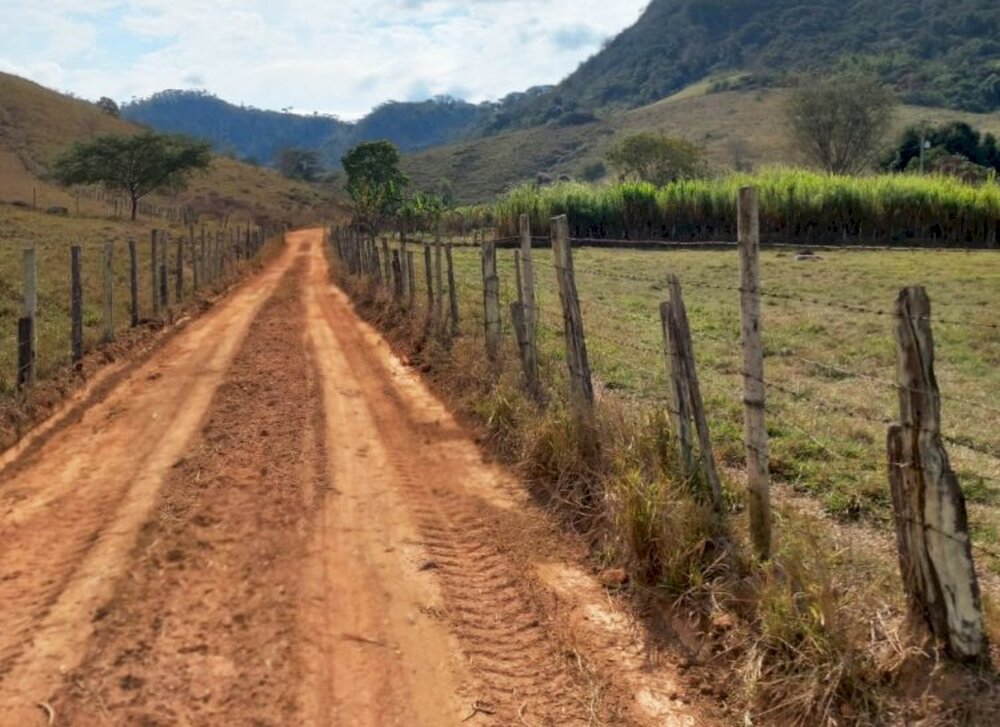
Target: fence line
x: 757, y: 384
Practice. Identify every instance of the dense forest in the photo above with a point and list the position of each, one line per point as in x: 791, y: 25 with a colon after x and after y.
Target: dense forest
x: 260, y: 136
x: 933, y: 52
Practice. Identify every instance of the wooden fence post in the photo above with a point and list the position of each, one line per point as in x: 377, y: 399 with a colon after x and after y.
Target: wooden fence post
x: 581, y: 385
x: 30, y: 260
x: 754, y: 387
x: 438, y: 278
x: 386, y: 262
x: 76, y: 304
x: 680, y: 406
x: 25, y: 351
x: 154, y: 266
x: 491, y: 300
x: 429, y: 274
x: 397, y: 277
x: 685, y: 375
x: 196, y: 261
x: 133, y: 280
x: 164, y: 289
x: 526, y: 295
x: 452, y: 293
x: 179, y: 271
x: 932, y: 528
x: 109, y: 293
x: 411, y: 278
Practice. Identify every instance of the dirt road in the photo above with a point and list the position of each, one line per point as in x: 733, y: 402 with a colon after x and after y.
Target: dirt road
x: 273, y: 522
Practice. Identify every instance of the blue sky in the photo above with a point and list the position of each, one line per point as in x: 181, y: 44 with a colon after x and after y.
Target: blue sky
x: 331, y: 56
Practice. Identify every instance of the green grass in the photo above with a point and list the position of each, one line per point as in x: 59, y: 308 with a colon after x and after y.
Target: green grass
x: 832, y: 368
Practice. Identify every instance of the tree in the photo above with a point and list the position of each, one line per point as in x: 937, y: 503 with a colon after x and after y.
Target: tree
x: 108, y: 106
x: 658, y: 159
x: 301, y: 164
x: 955, y: 139
x: 374, y: 181
x: 839, y: 122
x: 136, y: 165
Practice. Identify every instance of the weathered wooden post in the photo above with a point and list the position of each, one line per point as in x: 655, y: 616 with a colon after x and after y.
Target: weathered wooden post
x: 133, y: 281
x: 76, y: 304
x: 164, y: 289
x: 25, y: 351
x: 684, y: 373
x: 452, y: 293
x: 386, y: 262
x: 680, y: 405
x: 30, y: 308
x: 411, y: 279
x: 429, y: 274
x: 397, y: 277
x: 754, y: 388
x: 526, y: 295
x: 491, y: 300
x: 179, y: 270
x: 438, y: 278
x: 581, y: 385
x: 108, y: 317
x: 154, y: 288
x: 932, y: 528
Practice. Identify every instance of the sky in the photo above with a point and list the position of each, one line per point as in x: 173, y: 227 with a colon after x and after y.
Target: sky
x: 339, y: 57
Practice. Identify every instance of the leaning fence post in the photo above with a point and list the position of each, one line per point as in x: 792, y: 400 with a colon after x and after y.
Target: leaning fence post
x: 164, y: 288
x: 582, y: 387
x: 179, y: 272
x: 76, y: 304
x: 491, y: 300
x: 452, y: 292
x: 754, y: 387
x: 680, y: 411
x: 932, y: 528
x: 109, y: 293
x: 687, y: 371
x: 31, y: 308
x: 133, y: 281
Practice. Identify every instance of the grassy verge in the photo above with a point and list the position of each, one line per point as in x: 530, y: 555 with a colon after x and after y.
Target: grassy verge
x: 817, y: 635
x: 52, y: 238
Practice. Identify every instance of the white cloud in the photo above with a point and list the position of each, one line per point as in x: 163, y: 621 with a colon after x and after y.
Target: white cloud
x: 341, y: 57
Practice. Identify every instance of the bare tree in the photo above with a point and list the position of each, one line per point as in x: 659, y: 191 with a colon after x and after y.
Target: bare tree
x: 838, y: 123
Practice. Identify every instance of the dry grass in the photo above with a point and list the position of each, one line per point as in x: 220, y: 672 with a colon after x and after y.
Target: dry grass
x: 818, y: 635
x: 36, y: 124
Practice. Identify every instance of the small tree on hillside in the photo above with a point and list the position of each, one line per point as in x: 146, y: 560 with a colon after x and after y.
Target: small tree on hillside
x: 838, y: 123
x: 136, y: 165
x: 374, y: 181
x: 108, y: 106
x: 657, y: 159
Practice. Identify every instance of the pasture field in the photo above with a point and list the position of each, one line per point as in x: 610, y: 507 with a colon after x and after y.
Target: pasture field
x: 830, y: 356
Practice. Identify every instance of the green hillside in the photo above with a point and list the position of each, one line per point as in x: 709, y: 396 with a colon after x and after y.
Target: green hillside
x: 935, y: 53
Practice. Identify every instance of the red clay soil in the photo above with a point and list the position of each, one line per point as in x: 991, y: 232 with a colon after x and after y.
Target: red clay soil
x: 273, y: 522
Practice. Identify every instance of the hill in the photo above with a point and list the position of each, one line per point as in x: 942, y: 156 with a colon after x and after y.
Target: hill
x: 935, y: 53
x: 260, y: 135
x: 37, y: 123
x: 738, y: 129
